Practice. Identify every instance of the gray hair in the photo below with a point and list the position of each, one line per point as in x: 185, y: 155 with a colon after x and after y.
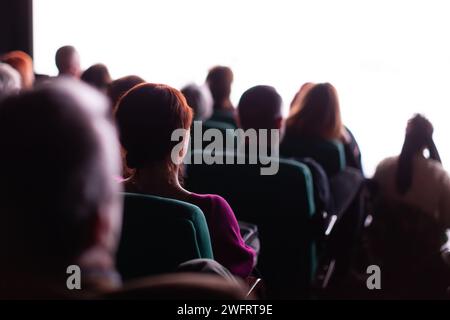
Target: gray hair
x: 200, y: 100
x: 10, y: 81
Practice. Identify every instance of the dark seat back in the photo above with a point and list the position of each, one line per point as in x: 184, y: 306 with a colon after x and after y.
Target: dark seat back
x: 281, y: 205
x: 329, y: 154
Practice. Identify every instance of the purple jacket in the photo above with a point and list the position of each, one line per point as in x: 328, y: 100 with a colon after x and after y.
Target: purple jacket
x: 228, y: 246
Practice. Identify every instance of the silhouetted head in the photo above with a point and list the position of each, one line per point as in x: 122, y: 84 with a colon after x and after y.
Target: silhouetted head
x: 10, y: 81
x: 219, y: 81
x: 23, y: 63
x: 419, y: 136
x: 199, y: 101
x: 67, y: 61
x: 119, y: 87
x: 97, y: 76
x: 260, y: 108
x: 147, y: 115
x: 319, y: 114
x: 59, y: 198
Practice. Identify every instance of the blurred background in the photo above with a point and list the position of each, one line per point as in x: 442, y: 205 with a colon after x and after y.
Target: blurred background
x: 388, y: 59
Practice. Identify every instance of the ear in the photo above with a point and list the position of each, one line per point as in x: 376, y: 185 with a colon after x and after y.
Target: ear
x: 184, y: 150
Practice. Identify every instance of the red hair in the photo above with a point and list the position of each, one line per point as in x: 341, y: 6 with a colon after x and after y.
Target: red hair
x: 23, y: 63
x: 146, y: 116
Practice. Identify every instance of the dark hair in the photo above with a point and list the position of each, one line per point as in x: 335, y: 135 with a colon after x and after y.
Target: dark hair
x: 52, y: 178
x: 119, y: 87
x: 97, y: 76
x: 318, y: 115
x: 146, y: 116
x: 418, y: 137
x: 219, y: 80
x: 197, y: 100
x: 258, y: 107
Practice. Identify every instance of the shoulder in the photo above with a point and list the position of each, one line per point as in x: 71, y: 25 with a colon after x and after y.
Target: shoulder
x: 436, y: 169
x: 213, y: 201
x: 386, y: 165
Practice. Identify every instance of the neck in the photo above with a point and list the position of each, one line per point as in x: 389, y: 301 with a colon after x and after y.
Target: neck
x: 225, y: 104
x: 158, y: 179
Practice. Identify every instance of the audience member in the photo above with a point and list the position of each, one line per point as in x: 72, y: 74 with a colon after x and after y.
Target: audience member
x: 67, y: 61
x: 414, y: 179
x: 318, y: 116
x: 23, y: 63
x: 219, y: 81
x: 260, y: 107
x: 147, y: 115
x: 97, y: 76
x: 60, y: 205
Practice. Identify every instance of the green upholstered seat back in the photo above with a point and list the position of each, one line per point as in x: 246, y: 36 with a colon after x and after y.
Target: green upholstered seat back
x: 158, y: 234
x: 328, y: 153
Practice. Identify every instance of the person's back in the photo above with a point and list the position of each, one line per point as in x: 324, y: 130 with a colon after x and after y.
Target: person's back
x: 430, y: 184
x: 151, y: 119
x: 61, y: 207
x: 415, y: 180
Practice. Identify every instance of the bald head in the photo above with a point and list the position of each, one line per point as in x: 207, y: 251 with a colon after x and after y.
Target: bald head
x: 60, y: 154
x: 67, y: 61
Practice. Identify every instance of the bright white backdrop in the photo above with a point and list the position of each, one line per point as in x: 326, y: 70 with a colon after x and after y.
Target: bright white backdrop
x: 388, y: 59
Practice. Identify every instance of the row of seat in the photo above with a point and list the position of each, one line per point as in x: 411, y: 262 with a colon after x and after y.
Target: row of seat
x: 329, y: 154
x: 159, y: 234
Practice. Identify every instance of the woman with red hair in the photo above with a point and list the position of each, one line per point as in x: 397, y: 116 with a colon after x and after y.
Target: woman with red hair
x: 147, y: 115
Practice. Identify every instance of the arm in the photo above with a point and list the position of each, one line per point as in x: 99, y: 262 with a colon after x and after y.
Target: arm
x: 230, y: 248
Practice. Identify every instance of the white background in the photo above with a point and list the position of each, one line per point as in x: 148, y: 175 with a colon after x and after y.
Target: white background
x: 388, y: 58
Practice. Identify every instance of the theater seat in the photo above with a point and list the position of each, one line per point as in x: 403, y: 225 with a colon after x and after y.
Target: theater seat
x: 158, y: 234
x: 281, y: 205
x: 329, y: 154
